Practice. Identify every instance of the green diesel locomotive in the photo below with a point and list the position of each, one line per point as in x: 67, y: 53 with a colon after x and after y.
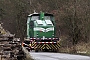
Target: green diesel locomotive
x: 41, y: 32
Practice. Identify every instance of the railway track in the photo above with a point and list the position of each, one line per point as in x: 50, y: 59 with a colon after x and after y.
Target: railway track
x: 57, y: 56
x: 54, y: 56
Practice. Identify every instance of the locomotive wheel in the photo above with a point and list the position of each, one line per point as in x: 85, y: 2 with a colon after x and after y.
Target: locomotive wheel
x: 36, y: 50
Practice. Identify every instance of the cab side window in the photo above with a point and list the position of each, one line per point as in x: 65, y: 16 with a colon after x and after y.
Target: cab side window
x: 31, y: 24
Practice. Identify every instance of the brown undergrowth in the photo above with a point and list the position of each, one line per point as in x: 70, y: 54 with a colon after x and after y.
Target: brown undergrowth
x: 81, y: 48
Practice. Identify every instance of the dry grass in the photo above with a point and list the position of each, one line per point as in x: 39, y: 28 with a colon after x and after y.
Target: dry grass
x: 81, y: 48
x: 28, y: 57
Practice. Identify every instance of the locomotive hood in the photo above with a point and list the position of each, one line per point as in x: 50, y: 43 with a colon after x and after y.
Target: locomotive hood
x: 40, y: 25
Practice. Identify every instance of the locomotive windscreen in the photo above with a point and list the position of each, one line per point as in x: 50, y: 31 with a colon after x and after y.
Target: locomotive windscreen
x: 35, y: 18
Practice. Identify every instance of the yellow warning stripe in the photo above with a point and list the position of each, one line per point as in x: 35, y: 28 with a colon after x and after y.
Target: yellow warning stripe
x: 54, y: 46
x: 38, y: 45
x: 48, y: 46
x: 58, y: 45
x: 42, y: 46
x: 33, y: 44
x: 51, y: 46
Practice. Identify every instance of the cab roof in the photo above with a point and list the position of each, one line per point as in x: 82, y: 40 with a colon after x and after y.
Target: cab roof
x: 37, y: 14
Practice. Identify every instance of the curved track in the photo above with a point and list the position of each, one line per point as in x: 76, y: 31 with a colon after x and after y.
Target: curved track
x: 57, y: 56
